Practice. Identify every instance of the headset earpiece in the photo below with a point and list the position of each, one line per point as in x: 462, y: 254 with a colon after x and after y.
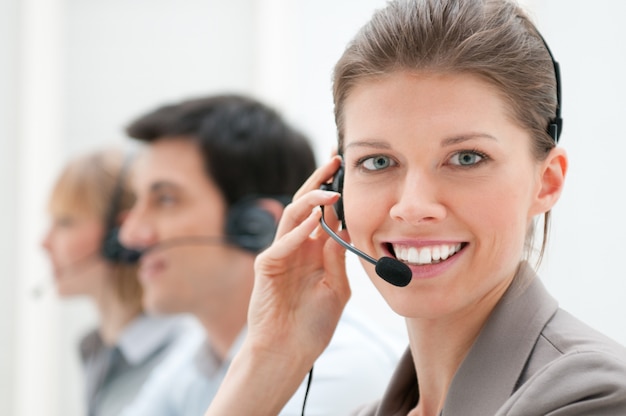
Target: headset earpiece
x: 112, y: 249
x: 556, y: 124
x: 249, y: 226
x: 115, y: 252
x: 337, y: 186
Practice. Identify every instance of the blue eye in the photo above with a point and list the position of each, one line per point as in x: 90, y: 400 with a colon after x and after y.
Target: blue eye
x: 377, y: 163
x: 466, y: 158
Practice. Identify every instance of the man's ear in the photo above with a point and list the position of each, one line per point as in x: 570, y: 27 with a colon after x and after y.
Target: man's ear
x: 551, y: 180
x: 272, y: 206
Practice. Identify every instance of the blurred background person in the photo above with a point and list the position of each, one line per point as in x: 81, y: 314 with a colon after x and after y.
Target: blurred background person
x: 210, y: 188
x: 86, y: 207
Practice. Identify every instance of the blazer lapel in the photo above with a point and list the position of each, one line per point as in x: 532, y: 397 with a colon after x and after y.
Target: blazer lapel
x: 488, y: 375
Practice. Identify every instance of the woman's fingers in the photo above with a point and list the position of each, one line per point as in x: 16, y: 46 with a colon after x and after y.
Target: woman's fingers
x: 301, y: 285
x: 298, y: 211
x: 320, y: 176
x: 289, y: 242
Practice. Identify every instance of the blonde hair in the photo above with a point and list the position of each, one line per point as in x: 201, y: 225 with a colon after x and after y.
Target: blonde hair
x: 493, y: 39
x: 86, y: 186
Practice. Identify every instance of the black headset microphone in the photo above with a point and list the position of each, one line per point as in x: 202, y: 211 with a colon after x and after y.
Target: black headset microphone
x: 199, y: 240
x: 391, y: 270
x: 248, y: 226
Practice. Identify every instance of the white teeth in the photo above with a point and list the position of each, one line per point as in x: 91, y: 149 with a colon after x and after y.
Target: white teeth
x: 425, y: 255
x: 445, y: 252
x: 436, y: 253
x: 413, y: 255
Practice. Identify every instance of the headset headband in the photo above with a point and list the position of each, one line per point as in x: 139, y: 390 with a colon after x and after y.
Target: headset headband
x: 556, y: 124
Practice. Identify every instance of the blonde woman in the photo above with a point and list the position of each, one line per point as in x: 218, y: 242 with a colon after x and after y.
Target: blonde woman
x: 86, y: 207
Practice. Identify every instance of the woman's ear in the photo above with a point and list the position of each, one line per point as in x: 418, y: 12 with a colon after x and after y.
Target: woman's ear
x: 551, y: 180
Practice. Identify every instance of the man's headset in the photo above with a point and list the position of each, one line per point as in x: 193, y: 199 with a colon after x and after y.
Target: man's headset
x: 251, y: 227
x: 390, y: 269
x: 248, y: 225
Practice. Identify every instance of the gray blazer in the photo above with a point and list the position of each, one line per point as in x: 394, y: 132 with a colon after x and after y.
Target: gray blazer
x: 531, y: 359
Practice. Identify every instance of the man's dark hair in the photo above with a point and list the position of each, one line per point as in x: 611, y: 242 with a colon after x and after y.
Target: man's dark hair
x: 248, y: 149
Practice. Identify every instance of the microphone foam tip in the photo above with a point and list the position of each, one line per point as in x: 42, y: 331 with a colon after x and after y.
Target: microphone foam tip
x: 394, y: 271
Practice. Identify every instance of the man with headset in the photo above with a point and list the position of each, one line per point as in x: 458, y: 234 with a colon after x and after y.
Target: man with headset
x: 210, y: 188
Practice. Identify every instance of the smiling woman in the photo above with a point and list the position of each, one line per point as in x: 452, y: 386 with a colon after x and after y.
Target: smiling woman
x: 430, y: 201
x: 449, y: 112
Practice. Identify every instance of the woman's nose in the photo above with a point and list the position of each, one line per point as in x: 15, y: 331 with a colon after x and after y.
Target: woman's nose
x: 46, y: 242
x: 418, y: 200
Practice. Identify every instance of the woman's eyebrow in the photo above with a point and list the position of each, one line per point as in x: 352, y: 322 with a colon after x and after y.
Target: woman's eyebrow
x: 465, y: 137
x: 377, y: 144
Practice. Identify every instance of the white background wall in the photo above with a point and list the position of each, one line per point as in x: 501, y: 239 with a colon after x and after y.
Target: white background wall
x: 73, y: 72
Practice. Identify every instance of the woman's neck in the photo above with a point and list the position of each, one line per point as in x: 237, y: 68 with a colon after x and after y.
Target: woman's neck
x: 115, y: 315
x: 439, y: 346
x: 438, y: 350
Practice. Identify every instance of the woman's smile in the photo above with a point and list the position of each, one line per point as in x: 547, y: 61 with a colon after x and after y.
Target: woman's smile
x: 429, y: 254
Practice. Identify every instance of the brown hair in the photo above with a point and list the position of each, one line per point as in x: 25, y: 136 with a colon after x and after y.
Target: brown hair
x: 493, y: 39
x: 247, y: 147
x: 86, y: 185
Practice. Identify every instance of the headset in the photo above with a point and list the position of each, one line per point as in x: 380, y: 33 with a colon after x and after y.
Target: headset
x: 391, y: 270
x: 112, y: 249
x: 555, y: 125
x: 249, y: 226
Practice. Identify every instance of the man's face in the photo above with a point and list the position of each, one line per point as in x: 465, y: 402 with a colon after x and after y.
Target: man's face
x: 179, y: 218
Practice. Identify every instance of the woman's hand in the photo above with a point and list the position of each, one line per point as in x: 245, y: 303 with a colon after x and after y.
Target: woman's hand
x: 300, y: 291
x: 301, y: 286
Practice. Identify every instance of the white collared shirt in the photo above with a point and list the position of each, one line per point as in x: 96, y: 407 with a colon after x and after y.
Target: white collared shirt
x: 353, y: 370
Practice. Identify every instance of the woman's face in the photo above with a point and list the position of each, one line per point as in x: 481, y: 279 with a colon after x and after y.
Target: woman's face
x: 73, y: 244
x: 438, y: 176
